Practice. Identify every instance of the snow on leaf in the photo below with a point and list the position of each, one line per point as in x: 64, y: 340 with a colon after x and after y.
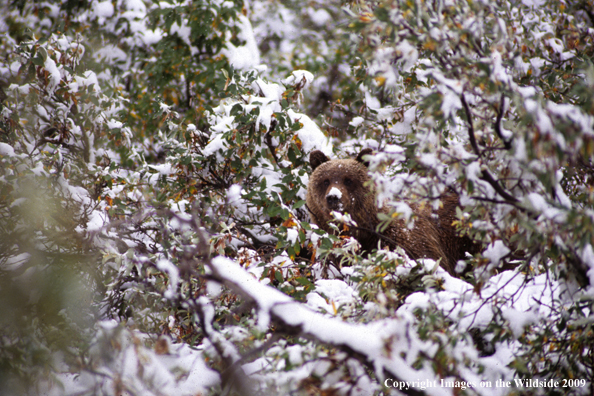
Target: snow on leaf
x: 495, y: 252
x: 246, y: 56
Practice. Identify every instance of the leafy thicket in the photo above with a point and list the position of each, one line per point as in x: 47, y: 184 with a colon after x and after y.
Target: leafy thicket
x: 154, y: 232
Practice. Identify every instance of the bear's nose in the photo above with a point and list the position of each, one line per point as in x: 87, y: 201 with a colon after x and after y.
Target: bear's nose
x: 333, y: 199
x: 333, y: 202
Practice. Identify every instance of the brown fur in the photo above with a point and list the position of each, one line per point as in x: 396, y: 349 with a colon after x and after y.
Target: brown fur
x: 433, y: 235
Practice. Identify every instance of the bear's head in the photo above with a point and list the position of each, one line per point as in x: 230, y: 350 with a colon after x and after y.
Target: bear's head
x: 341, y: 185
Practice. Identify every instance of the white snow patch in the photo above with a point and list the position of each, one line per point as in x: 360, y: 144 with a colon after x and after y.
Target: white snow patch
x: 335, y: 192
x: 356, y: 121
x: 533, y: 3
x: 6, y: 150
x: 298, y: 77
x: 407, y: 55
x: 97, y: 220
x: 495, y: 252
x: 292, y: 235
x: 54, y: 74
x: 183, y: 31
x: 114, y: 124
x: 450, y: 103
x: 519, y: 320
x: 330, y: 295
x: 234, y: 194
x: 150, y: 37
x: 404, y: 127
x: 539, y: 204
x: 15, y: 262
x: 537, y: 64
x: 498, y: 72
x: 111, y: 54
x: 319, y: 17
x: 103, y: 9
x: 246, y: 56
x: 310, y: 135
x: 170, y: 269
x: 588, y: 258
x: 163, y: 169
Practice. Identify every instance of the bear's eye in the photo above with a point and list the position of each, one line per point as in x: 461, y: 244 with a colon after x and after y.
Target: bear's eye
x: 348, y: 182
x: 326, y: 183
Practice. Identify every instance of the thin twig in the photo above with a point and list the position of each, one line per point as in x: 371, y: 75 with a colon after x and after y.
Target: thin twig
x: 471, y: 135
x: 497, y: 126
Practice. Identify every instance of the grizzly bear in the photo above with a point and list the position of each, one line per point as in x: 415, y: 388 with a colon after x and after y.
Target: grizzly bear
x: 344, y: 186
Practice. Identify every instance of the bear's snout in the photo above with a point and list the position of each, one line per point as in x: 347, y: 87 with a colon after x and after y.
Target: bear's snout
x: 333, y: 202
x: 334, y: 199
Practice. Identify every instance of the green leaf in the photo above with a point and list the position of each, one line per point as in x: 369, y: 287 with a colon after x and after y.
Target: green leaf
x: 299, y: 204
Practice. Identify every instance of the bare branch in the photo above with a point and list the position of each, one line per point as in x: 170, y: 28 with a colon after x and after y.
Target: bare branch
x: 294, y: 319
x: 497, y: 125
x: 268, y: 141
x: 471, y: 135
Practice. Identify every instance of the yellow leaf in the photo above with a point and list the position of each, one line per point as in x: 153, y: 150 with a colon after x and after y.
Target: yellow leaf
x: 366, y: 17
x: 430, y: 45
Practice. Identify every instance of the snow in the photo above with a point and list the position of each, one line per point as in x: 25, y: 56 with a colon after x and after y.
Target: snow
x: 371, y: 340
x: 14, y: 263
x: 521, y: 66
x: 333, y: 315
x: 114, y: 124
x: 87, y: 79
x: 584, y: 121
x: 533, y: 3
x: 136, y: 5
x: 265, y: 296
x: 498, y: 72
x: 183, y: 31
x: 320, y: 17
x: 234, y: 194
x: 310, y: 134
x: 404, y: 127
x: 331, y: 295
x: 6, y: 150
x: 111, y: 54
x: 536, y: 64
x: 214, y: 146
x: 175, y: 369
x: 540, y: 205
x: 54, y: 74
x: 97, y: 220
x: 334, y: 192
x: 163, y: 169
x: 356, y: 121
x: 271, y: 102
x: 292, y: 235
x: 519, y: 320
x: 103, y: 9
x: 170, y: 269
x: 301, y: 78
x: 587, y: 256
x: 271, y: 91
x: 495, y: 252
x: 408, y: 53
x: 343, y: 217
x: 450, y: 103
x: 151, y: 37
x: 246, y: 56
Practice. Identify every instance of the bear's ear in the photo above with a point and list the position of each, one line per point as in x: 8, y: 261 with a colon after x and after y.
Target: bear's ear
x: 364, y: 152
x: 317, y: 158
